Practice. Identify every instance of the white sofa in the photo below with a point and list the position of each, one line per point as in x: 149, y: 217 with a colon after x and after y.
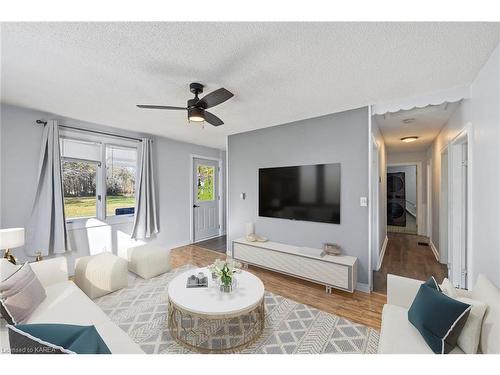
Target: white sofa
x: 67, y: 304
x: 399, y: 336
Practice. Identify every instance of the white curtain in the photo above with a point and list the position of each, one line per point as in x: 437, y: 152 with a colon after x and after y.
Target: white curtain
x: 145, y: 222
x: 46, y: 230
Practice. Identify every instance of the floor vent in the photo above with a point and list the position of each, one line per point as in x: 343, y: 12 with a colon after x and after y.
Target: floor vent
x: 422, y: 243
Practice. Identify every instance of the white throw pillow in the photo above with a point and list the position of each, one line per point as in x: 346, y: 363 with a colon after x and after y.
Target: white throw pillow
x: 448, y: 289
x: 7, y: 269
x: 470, y: 336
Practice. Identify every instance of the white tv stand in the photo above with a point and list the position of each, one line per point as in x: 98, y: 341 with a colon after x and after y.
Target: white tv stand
x: 338, y: 272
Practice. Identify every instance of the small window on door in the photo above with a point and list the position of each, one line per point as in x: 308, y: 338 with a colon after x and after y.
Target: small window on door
x: 205, y: 183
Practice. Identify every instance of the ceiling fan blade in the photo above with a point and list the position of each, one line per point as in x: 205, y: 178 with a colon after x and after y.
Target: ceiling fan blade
x: 213, y: 119
x: 215, y: 98
x: 159, y: 107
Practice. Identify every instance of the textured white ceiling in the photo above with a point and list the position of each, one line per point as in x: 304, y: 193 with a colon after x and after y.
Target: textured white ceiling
x: 279, y: 72
x: 427, y: 124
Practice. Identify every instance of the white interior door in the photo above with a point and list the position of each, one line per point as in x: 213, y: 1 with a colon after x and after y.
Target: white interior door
x: 205, y: 198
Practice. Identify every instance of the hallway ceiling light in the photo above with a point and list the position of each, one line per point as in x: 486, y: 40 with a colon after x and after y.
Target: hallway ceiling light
x: 409, y: 120
x: 413, y: 138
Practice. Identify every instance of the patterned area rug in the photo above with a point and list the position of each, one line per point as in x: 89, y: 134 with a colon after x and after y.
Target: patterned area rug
x: 291, y: 327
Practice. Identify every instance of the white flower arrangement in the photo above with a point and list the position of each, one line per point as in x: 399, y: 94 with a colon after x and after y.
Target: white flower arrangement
x: 225, y: 270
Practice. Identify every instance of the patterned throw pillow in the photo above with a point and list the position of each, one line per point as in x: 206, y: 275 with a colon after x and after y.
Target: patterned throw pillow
x: 55, y: 339
x: 438, y: 318
x: 20, y: 294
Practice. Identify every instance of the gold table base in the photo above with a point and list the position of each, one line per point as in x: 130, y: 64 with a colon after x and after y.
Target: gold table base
x: 215, y: 334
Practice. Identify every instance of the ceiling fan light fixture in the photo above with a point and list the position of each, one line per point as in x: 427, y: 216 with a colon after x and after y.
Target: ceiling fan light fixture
x: 412, y: 138
x: 196, y: 114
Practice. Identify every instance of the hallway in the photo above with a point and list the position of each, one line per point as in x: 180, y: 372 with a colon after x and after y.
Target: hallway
x: 405, y: 257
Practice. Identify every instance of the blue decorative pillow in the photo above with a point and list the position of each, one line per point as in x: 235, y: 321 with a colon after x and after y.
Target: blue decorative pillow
x: 438, y: 318
x: 55, y: 339
x: 431, y: 282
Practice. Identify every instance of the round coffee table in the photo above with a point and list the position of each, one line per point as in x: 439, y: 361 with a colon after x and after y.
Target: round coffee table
x: 207, y: 320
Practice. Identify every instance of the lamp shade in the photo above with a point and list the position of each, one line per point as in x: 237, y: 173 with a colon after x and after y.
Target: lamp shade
x: 11, y: 238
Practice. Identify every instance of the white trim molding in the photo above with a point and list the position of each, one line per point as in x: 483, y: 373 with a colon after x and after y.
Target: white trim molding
x: 382, y: 253
x: 444, y: 96
x: 434, y: 249
x: 363, y: 287
x: 191, y: 198
x: 421, y: 207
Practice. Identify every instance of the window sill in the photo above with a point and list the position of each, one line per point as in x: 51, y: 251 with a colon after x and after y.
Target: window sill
x: 92, y: 222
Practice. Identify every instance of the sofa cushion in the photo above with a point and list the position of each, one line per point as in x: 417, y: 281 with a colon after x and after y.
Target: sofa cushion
x: 438, y: 318
x: 55, y: 339
x: 399, y: 336
x: 68, y: 304
x: 20, y: 294
x: 487, y: 292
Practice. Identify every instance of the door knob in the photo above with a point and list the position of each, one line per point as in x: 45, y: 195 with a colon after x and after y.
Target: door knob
x: 194, y: 206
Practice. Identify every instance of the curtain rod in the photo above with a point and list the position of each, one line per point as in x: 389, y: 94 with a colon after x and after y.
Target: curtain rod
x: 41, y: 122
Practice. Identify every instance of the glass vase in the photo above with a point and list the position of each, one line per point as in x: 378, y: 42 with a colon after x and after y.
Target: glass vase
x: 227, y: 288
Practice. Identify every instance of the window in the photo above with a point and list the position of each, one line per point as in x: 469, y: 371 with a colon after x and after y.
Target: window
x: 99, y: 174
x: 79, y: 188
x: 121, y: 164
x: 206, y: 183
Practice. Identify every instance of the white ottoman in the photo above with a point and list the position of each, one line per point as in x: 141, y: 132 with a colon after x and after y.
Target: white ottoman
x: 148, y: 260
x: 101, y: 274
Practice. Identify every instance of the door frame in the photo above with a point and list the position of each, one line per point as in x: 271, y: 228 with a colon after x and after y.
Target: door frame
x: 374, y: 201
x: 429, y: 202
x: 219, y: 193
x: 456, y: 240
x: 420, y: 208
x: 444, y: 201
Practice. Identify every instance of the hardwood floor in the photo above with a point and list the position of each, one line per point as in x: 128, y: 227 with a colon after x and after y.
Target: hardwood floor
x: 358, y: 307
x: 405, y: 257
x: 217, y: 244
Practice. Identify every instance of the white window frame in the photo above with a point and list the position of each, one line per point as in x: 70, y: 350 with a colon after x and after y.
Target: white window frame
x: 103, y: 141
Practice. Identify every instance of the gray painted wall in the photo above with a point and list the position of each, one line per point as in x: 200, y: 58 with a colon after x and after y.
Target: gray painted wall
x: 20, y: 147
x: 337, y: 138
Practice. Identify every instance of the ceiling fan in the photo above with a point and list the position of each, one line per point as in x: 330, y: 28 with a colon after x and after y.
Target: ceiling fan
x: 196, y: 107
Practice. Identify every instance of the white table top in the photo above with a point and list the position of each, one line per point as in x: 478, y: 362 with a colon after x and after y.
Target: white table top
x: 211, y: 301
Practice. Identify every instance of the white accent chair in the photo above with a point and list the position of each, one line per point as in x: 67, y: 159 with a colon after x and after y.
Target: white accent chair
x: 399, y: 336
x: 148, y: 261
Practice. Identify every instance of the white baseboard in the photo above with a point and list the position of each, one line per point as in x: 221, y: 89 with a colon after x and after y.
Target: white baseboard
x: 382, y: 253
x: 362, y: 287
x: 179, y: 244
x: 434, y: 250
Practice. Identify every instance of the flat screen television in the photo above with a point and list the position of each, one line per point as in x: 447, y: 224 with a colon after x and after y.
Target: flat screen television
x: 306, y: 192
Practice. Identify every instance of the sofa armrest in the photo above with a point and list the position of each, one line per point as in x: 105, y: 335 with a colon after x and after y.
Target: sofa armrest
x: 401, y: 291
x: 51, y: 271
